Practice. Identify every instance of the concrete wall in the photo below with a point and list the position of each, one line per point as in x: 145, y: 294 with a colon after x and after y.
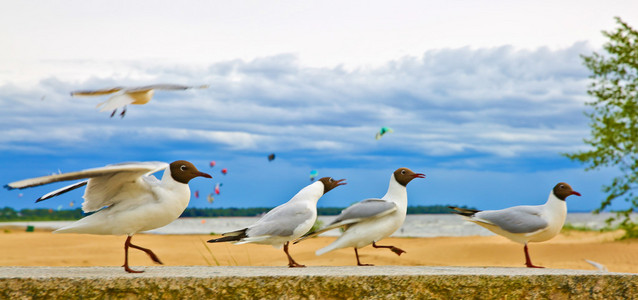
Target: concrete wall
x: 314, y: 283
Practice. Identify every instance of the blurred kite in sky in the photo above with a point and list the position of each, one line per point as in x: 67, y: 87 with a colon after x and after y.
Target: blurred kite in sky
x: 219, y: 184
x: 212, y: 163
x: 210, y: 198
x: 313, y: 174
x: 224, y: 171
x: 131, y: 95
x: 196, y: 194
x: 383, y: 131
x: 271, y: 157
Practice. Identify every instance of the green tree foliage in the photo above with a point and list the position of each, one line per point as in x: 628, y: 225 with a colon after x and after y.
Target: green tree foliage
x: 614, y: 118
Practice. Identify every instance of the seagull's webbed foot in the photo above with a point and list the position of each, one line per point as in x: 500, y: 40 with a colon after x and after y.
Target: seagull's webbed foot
x: 294, y: 264
x: 533, y: 266
x: 129, y: 270
x: 396, y: 250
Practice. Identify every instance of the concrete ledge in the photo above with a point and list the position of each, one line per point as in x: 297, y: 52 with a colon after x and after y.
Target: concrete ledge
x: 313, y: 282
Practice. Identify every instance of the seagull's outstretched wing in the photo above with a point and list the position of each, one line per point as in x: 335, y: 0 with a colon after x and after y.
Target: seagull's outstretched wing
x: 364, y: 210
x: 517, y: 219
x: 104, y: 184
x: 166, y: 87
x: 97, y: 92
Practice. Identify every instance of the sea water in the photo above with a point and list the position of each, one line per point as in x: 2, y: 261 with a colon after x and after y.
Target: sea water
x: 427, y: 225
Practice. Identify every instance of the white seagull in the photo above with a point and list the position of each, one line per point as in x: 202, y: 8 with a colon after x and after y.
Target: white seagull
x: 371, y: 220
x: 125, y: 198
x: 130, y: 95
x: 525, y: 223
x: 285, y: 222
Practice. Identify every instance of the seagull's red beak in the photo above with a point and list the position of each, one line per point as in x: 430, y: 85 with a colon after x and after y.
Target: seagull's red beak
x: 419, y: 175
x: 341, y: 182
x: 202, y: 174
x: 575, y: 193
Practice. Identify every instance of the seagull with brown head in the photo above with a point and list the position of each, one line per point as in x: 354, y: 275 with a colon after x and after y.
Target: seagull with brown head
x: 125, y: 198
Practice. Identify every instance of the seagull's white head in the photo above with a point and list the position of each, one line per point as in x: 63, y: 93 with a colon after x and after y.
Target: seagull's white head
x: 404, y: 175
x: 183, y: 171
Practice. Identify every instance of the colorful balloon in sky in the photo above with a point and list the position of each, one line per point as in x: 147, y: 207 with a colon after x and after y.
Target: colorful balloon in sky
x: 217, y: 187
x: 383, y: 131
x: 224, y: 171
x: 212, y: 163
x: 210, y: 198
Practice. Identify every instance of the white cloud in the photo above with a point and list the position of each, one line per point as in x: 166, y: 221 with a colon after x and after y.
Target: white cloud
x: 498, y: 102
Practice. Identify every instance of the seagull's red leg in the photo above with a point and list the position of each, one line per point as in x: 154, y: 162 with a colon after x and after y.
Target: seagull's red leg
x: 123, y: 112
x: 148, y: 251
x: 291, y: 262
x: 528, y: 261
x: 126, y: 245
x: 356, y: 253
x: 392, y: 248
x: 113, y: 113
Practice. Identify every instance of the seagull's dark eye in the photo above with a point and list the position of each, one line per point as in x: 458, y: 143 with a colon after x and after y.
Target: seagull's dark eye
x: 562, y: 186
x: 182, y: 167
x: 402, y: 172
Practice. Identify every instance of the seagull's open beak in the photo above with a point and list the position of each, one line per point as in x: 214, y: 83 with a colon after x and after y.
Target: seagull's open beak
x: 340, y: 182
x: 202, y: 174
x: 575, y: 193
x: 419, y: 175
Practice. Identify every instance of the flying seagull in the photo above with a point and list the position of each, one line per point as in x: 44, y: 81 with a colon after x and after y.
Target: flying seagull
x: 285, y: 222
x: 124, y: 96
x: 125, y: 198
x: 525, y: 223
x: 371, y: 220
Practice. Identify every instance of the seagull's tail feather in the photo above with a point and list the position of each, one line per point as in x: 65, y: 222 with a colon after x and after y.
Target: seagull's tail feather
x: 466, y: 212
x: 231, y: 236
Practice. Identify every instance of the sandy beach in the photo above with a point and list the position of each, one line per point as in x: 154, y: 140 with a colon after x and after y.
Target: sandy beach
x: 566, y: 251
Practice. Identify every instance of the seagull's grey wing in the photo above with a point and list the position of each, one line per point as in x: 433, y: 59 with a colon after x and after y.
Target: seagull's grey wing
x: 97, y: 92
x: 369, y: 208
x: 517, y: 219
x: 281, y: 220
x: 168, y: 87
x: 366, y: 209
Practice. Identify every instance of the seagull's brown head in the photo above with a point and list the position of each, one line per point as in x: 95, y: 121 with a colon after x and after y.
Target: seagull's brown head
x: 329, y: 183
x: 404, y: 175
x: 562, y: 190
x: 183, y: 171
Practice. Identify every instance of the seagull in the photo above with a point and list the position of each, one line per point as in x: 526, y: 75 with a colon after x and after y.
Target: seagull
x: 130, y: 95
x: 371, y: 220
x: 525, y: 223
x: 125, y: 198
x: 285, y: 222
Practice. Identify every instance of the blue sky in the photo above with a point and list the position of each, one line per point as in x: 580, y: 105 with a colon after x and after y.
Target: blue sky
x: 482, y: 98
